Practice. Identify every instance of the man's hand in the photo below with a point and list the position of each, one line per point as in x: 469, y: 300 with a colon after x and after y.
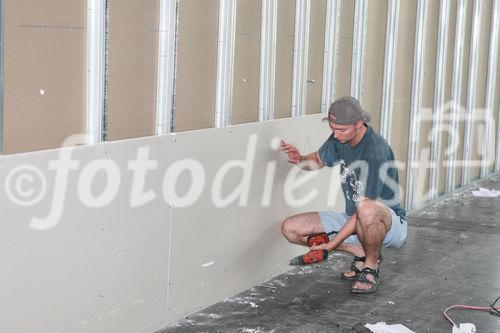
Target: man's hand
x: 325, y: 246
x: 293, y: 153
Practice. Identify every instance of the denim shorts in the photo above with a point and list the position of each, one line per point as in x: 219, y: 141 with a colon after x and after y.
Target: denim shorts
x: 334, y: 221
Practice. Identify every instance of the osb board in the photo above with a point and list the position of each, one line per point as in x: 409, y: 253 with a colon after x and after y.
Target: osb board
x: 374, y: 60
x: 45, y: 65
x: 316, y: 56
x: 284, y: 58
x: 403, y: 85
x: 424, y: 152
x: 245, y: 106
x: 343, y: 75
x: 133, y: 54
x: 196, y: 64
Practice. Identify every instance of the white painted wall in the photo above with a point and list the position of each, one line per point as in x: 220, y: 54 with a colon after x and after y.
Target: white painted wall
x: 123, y: 269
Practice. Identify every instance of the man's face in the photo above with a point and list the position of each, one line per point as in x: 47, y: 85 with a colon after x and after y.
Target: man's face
x: 343, y: 133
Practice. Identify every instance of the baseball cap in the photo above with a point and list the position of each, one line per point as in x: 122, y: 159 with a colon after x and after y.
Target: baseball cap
x: 347, y: 111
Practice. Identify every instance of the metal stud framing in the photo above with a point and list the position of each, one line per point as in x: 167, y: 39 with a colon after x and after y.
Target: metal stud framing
x: 332, y: 34
x: 488, y: 151
x: 96, y: 76
x: 456, y: 84
x: 225, y: 62
x: 358, y: 48
x: 416, y: 103
x: 471, y: 90
x: 166, y: 66
x: 2, y: 54
x: 439, y: 90
x: 300, y: 57
x: 389, y: 69
x: 269, y: 20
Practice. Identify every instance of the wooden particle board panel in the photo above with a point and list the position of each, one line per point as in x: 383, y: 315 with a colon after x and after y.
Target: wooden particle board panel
x: 44, y: 79
x: 196, y: 64
x: 133, y: 52
x: 284, y: 59
x: 316, y: 56
x: 245, y: 106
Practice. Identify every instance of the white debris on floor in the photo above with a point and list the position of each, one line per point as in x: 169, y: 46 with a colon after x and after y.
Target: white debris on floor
x: 486, y: 193
x: 382, y: 327
x: 464, y: 328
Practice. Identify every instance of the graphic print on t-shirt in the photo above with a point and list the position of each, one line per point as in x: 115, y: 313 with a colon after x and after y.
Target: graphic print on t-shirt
x: 350, y: 181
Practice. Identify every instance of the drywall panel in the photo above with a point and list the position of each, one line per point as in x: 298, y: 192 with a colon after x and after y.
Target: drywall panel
x: 284, y: 58
x: 316, y: 56
x: 463, y: 102
x: 482, y: 74
x: 229, y: 239
x: 343, y: 75
x: 196, y: 64
x: 99, y: 267
x: 448, y: 105
x: 128, y: 253
x: 402, y: 85
x: 422, y: 186
x: 133, y: 53
x: 374, y: 60
x: 245, y: 106
x: 44, y: 82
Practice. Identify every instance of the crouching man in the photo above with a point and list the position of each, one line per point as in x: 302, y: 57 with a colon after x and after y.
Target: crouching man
x: 373, y: 217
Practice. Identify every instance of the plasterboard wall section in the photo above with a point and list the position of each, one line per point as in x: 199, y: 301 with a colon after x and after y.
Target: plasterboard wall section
x: 93, y: 255
x: 343, y: 75
x: 284, y: 58
x: 133, y: 49
x: 374, y: 63
x: 196, y: 64
x: 423, y: 155
x: 316, y: 56
x: 402, y: 87
x: 247, y: 62
x: 479, y: 129
x: 44, y: 83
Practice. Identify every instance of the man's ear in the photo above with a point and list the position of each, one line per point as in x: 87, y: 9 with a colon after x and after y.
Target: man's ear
x: 359, y: 124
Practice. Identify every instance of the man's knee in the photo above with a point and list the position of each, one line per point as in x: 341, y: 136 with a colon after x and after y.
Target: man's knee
x: 287, y: 228
x: 368, y: 211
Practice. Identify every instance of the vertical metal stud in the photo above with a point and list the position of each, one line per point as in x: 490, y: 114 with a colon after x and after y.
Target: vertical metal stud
x: 456, y: 85
x: 488, y: 149
x: 225, y: 62
x: 471, y: 90
x: 269, y: 27
x: 96, y: 76
x: 389, y: 69
x: 2, y: 56
x: 416, y: 103
x: 166, y: 66
x: 358, y: 48
x: 300, y: 57
x: 332, y: 34
x: 439, y: 90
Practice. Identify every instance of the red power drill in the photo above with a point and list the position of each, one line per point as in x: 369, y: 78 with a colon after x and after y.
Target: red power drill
x: 313, y: 256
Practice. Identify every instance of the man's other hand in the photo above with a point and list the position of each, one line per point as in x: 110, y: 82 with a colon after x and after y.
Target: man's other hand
x: 293, y: 153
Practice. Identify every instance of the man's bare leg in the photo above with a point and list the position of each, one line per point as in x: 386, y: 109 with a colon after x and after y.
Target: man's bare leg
x: 373, y: 223
x: 298, y: 227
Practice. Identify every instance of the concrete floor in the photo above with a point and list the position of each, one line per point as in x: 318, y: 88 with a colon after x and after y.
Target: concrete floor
x: 451, y: 257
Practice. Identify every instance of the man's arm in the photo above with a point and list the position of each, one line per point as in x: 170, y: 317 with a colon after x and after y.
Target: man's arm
x: 311, y: 161
x: 347, y: 230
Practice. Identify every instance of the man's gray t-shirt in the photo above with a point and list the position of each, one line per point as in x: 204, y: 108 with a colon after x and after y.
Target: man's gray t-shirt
x: 367, y: 169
